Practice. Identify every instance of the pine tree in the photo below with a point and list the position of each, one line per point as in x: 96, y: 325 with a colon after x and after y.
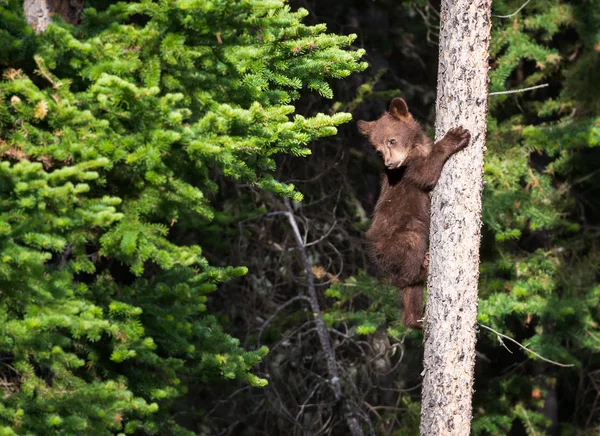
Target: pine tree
x: 455, y: 233
x: 111, y: 134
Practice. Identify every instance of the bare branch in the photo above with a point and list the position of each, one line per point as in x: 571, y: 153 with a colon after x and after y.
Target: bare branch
x: 314, y: 304
x: 514, y: 91
x: 238, y: 391
x: 400, y: 359
x: 322, y: 237
x: 514, y: 13
x: 279, y: 309
x: 334, y: 377
x: 349, y: 339
x: 303, y: 406
x: 500, y: 335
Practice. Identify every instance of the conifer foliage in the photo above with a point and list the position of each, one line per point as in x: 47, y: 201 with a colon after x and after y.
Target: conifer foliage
x: 111, y: 135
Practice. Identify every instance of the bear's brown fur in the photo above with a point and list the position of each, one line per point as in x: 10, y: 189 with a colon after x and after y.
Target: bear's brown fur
x: 399, y: 234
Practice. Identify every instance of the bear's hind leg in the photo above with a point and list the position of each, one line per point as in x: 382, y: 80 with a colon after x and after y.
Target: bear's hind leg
x: 412, y: 302
x: 404, y: 258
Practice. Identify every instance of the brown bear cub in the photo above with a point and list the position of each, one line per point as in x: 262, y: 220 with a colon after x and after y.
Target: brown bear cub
x: 399, y: 234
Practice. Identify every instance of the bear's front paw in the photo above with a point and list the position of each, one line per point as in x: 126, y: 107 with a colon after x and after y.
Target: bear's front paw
x: 457, y: 138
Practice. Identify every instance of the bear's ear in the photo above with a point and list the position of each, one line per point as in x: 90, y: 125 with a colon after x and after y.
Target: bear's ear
x: 399, y: 109
x: 365, y: 127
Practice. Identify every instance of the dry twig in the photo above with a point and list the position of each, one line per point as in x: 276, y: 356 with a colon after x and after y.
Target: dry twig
x: 514, y: 91
x: 514, y: 13
x: 500, y: 335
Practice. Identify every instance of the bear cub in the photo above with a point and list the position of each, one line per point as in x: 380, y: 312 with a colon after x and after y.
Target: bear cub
x: 399, y: 235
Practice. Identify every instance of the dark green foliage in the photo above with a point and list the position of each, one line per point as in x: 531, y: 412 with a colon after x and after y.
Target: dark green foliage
x: 111, y: 136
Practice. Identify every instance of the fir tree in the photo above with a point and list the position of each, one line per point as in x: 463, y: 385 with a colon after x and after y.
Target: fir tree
x: 111, y: 134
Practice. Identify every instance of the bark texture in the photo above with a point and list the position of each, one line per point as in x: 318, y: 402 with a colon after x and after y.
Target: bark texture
x: 451, y: 314
x: 39, y: 12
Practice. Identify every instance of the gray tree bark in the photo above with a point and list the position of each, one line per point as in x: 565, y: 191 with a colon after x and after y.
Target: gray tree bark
x: 451, y: 314
x: 39, y: 12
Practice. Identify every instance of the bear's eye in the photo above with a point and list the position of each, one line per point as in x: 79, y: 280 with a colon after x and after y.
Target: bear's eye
x: 392, y: 142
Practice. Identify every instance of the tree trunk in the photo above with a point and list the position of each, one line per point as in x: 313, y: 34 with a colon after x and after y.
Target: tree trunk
x: 451, y: 314
x: 39, y: 12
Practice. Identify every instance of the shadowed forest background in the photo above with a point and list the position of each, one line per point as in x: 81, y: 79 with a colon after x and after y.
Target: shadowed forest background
x: 108, y: 325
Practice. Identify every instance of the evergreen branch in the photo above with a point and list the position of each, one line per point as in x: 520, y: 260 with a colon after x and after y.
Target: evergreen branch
x: 514, y: 91
x: 351, y: 420
x: 500, y: 335
x: 526, y: 416
x: 514, y: 13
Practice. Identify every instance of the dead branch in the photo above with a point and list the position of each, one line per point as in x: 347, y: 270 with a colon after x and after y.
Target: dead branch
x: 500, y: 335
x: 514, y: 91
x: 279, y: 309
x: 514, y: 13
x: 334, y: 377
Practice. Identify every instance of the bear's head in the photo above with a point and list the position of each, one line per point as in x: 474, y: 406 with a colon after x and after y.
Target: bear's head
x: 395, y: 135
